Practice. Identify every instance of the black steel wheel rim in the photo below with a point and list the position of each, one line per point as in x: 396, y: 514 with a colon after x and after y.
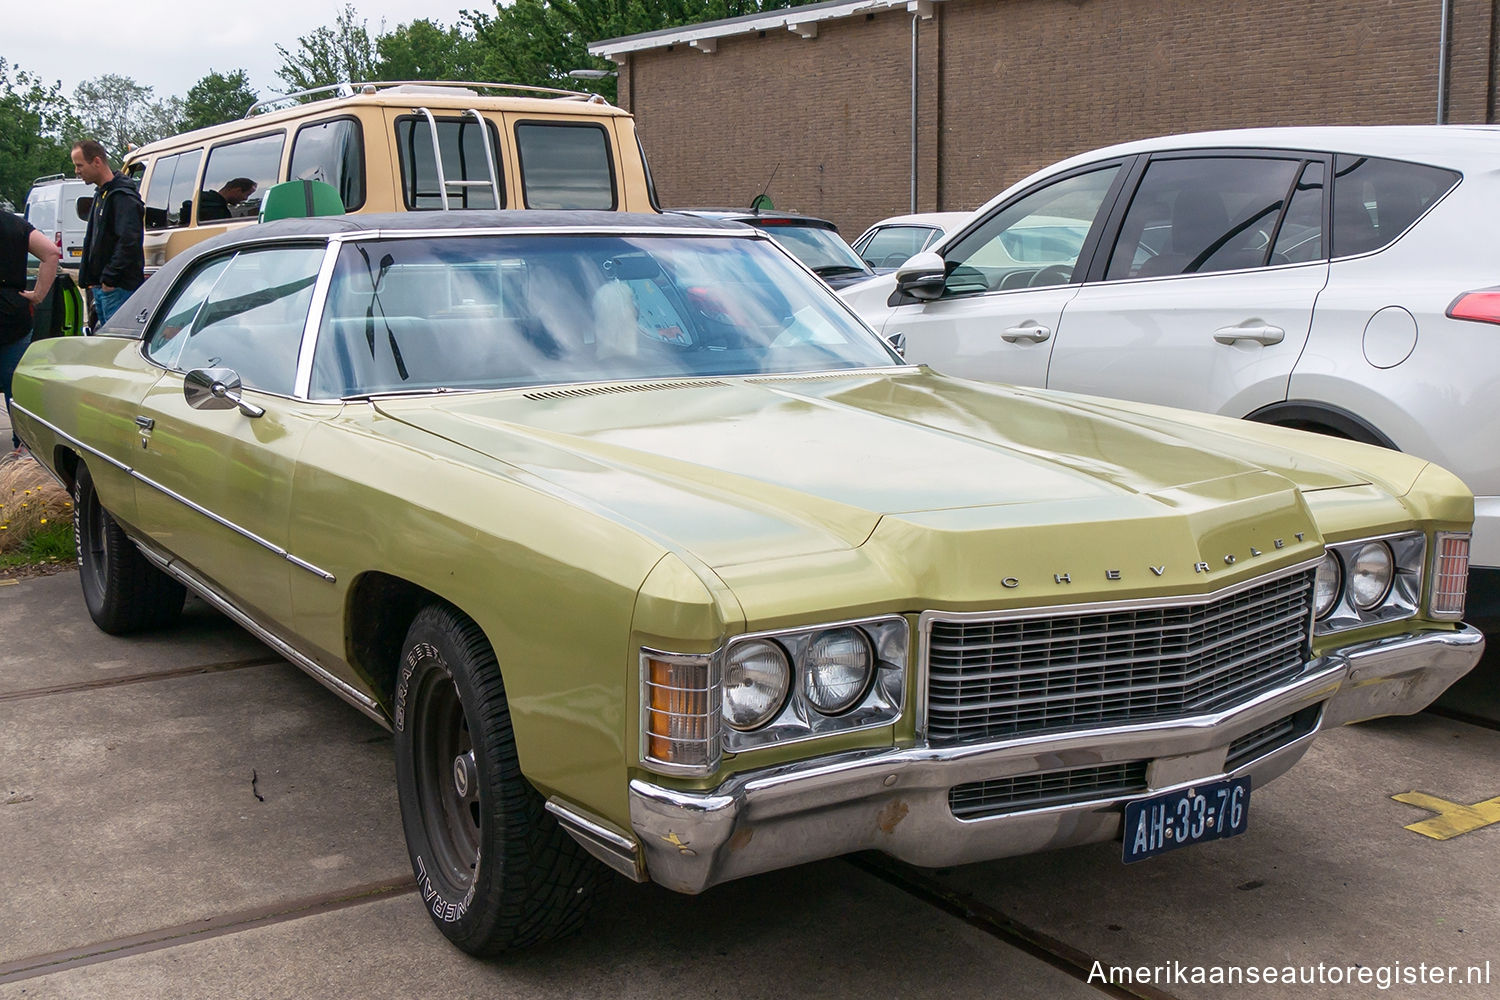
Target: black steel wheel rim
x: 97, y: 563
x: 447, y: 785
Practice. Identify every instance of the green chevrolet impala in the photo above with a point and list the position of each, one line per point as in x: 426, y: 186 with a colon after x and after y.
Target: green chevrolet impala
x: 655, y: 559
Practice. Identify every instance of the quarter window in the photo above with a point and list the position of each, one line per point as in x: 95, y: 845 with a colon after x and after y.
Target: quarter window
x: 1031, y: 242
x: 466, y: 169
x: 1375, y: 200
x: 245, y: 313
x: 565, y: 166
x: 169, y: 200
x: 890, y: 246
x: 331, y: 152
x: 255, y: 160
x: 1200, y: 214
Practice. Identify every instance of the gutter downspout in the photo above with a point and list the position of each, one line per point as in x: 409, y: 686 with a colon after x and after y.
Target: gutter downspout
x: 914, y: 107
x: 1442, y: 84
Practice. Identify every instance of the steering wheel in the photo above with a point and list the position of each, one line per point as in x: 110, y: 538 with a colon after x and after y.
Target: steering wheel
x: 1052, y: 274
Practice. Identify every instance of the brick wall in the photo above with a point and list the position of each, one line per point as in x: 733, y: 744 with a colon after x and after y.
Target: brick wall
x: 1007, y: 86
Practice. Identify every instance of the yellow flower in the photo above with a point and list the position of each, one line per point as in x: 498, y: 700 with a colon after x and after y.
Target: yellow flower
x: 44, y: 520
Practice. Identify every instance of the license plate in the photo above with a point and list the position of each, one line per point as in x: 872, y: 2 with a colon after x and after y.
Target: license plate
x: 1176, y: 819
x: 75, y: 251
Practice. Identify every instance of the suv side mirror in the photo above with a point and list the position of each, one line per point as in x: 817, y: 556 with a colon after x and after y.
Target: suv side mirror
x: 922, y: 276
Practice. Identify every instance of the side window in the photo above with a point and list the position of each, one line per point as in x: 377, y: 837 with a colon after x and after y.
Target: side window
x: 892, y: 245
x: 1375, y: 200
x: 251, y: 317
x: 1300, y: 238
x: 175, y: 318
x: 237, y: 176
x: 565, y: 166
x: 1032, y: 242
x: 169, y: 201
x: 1200, y: 214
x: 332, y: 152
x: 466, y: 168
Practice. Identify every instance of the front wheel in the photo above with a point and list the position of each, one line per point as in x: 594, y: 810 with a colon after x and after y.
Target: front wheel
x: 122, y: 590
x: 495, y: 870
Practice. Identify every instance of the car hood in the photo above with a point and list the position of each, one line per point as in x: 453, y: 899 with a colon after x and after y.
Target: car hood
x: 744, y: 470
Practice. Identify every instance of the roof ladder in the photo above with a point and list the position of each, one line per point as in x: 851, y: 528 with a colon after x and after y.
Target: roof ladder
x: 437, y: 157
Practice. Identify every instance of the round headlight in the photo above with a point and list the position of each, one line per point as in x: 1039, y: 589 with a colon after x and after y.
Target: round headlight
x: 1326, y: 587
x: 757, y: 676
x: 1370, y: 575
x: 837, y: 669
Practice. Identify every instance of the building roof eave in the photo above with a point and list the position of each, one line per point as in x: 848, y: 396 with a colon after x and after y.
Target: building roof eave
x: 795, y: 19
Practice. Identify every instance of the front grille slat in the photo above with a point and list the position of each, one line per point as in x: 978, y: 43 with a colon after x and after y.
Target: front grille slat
x: 1035, y: 791
x: 1059, y: 671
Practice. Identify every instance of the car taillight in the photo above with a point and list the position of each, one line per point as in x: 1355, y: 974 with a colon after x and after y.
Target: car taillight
x: 1482, y: 306
x: 57, y: 238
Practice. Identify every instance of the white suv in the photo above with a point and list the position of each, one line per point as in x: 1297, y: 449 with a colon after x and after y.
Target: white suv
x: 1334, y: 279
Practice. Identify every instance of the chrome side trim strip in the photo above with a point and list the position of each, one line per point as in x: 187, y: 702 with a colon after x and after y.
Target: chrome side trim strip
x: 622, y: 854
x: 194, y: 583
x: 217, y: 519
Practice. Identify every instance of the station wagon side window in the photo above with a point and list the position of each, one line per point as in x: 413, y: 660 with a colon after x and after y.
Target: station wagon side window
x: 244, y: 312
x: 1300, y: 236
x: 169, y: 199
x: 1032, y: 242
x: 257, y: 160
x: 331, y: 152
x: 1375, y: 200
x: 1194, y: 215
x: 466, y: 168
x: 566, y: 166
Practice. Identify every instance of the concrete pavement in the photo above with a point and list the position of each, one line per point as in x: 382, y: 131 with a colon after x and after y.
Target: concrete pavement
x: 186, y: 815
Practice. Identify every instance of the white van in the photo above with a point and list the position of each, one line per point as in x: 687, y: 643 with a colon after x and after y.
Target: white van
x: 59, y: 206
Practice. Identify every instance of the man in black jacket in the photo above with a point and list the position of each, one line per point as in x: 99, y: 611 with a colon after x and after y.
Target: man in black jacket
x: 114, y: 264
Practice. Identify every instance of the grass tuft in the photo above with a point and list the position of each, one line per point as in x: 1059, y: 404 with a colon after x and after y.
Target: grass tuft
x: 36, y: 515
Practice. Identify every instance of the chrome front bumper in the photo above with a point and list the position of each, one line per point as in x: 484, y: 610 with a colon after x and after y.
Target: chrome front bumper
x: 896, y: 800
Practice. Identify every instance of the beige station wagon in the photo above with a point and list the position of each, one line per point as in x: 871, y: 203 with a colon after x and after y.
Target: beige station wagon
x: 395, y: 147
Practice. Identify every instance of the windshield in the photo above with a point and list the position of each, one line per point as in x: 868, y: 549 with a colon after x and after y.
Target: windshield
x: 821, y: 249
x: 482, y: 312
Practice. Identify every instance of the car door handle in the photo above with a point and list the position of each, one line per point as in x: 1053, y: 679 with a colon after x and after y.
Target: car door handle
x: 145, y: 423
x: 1033, y: 333
x: 1260, y: 333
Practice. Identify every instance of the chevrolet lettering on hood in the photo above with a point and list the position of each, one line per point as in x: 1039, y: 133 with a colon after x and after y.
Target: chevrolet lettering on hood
x: 657, y: 562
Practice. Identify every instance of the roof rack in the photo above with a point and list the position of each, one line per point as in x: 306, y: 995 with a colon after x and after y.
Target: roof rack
x: 48, y: 178
x: 348, y: 89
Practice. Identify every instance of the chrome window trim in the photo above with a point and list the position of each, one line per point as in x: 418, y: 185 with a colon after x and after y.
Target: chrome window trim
x: 302, y: 381
x: 245, y: 533
x: 926, y: 620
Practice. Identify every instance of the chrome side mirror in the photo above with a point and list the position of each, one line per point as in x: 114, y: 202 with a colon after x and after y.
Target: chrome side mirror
x: 216, y: 389
x: 922, y: 276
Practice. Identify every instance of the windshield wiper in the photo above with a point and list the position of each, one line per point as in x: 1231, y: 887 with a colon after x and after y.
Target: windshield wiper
x: 828, y: 269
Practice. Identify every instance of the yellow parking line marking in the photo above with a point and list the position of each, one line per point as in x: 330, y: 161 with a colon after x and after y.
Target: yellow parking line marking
x: 1453, y: 819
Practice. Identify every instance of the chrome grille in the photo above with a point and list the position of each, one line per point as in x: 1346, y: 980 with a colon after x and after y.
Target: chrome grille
x: 1001, y: 677
x: 1033, y: 791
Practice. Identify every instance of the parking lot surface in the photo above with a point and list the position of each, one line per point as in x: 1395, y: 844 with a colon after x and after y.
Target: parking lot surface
x: 187, y: 815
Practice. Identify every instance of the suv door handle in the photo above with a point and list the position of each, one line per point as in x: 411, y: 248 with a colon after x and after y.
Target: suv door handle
x: 1260, y: 333
x: 1033, y: 333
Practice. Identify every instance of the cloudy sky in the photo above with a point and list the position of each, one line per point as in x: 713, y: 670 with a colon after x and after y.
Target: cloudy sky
x: 169, y: 45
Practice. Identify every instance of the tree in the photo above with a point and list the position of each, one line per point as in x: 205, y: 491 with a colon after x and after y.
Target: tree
x: 425, y: 50
x: 119, y: 113
x: 330, y: 54
x: 36, y: 126
x: 217, y: 97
